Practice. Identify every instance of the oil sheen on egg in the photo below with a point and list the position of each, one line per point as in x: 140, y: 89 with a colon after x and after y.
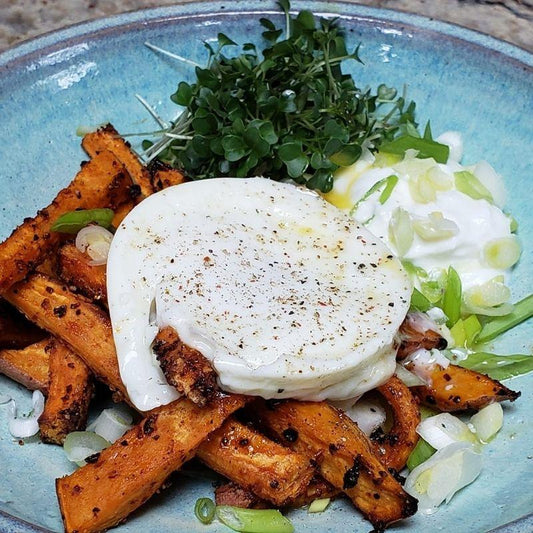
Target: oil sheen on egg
x: 284, y: 293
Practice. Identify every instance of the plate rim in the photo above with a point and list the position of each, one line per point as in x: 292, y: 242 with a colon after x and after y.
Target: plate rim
x: 181, y: 8
x: 21, y: 53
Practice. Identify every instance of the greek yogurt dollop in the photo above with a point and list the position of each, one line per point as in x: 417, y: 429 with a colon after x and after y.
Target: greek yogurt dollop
x: 433, y: 215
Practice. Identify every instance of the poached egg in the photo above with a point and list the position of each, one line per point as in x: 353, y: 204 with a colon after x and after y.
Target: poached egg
x: 285, y: 294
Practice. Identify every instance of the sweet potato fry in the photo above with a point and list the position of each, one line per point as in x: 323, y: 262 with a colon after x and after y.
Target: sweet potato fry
x: 69, y: 394
x: 414, y: 335
x: 74, y: 269
x: 270, y: 471
x: 347, y: 459
x: 74, y: 320
x: 185, y: 368
x: 28, y: 366
x: 163, y: 176
x: 233, y: 494
x: 318, y: 488
x: 107, y: 138
x: 125, y: 475
x: 16, y: 331
x: 456, y: 389
x: 394, y: 447
x: 102, y: 182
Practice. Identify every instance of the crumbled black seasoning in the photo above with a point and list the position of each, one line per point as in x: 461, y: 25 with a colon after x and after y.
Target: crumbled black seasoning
x: 60, y: 311
x: 92, y: 458
x: 290, y: 435
x: 351, y: 477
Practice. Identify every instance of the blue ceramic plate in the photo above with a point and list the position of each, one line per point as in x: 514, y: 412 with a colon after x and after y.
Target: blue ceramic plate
x: 89, y: 74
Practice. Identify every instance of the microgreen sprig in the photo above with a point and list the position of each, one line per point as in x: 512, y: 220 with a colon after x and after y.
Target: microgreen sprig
x: 287, y: 111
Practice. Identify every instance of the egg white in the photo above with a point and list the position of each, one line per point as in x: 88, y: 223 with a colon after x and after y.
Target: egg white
x: 284, y: 293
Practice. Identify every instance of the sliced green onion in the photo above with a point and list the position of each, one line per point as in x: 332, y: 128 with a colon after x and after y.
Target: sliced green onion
x: 498, y: 366
x: 491, y: 329
x: 22, y: 427
x: 488, y: 422
x: 204, y: 510
x: 409, y: 378
x: 318, y: 506
x: 465, y: 331
x: 425, y: 147
x: 422, y: 189
x: 443, y: 474
x: 440, y: 180
x: 451, y: 299
x: 444, y: 429
x: 389, y: 183
x: 419, y: 302
x: 83, y: 130
x: 458, y: 333
x: 426, y: 412
x: 435, y: 227
x: 472, y: 327
x: 79, y: 445
x: 253, y: 520
x: 489, y: 298
x: 73, y: 221
x: 513, y: 224
x: 468, y: 184
x: 401, y: 231
x: 421, y: 452
x: 112, y: 423
x: 502, y: 253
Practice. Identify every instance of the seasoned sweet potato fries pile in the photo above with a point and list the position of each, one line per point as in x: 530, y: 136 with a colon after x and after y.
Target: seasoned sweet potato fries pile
x: 273, y: 453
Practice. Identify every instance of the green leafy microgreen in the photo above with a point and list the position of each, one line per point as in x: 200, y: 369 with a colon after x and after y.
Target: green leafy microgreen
x: 498, y: 366
x: 73, y: 221
x: 287, y: 110
x: 428, y: 135
x: 425, y: 147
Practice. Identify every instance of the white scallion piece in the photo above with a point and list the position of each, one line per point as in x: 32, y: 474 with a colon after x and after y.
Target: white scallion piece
x: 95, y: 241
x: 487, y: 422
x: 435, y: 227
x: 112, y: 423
x: 492, y: 181
x: 444, y: 429
x: 408, y: 378
x: 401, y: 231
x: 490, y: 298
x: 368, y: 415
x: 26, y: 426
x: 442, y: 475
x: 502, y: 253
x: 79, y: 445
x: 318, y: 506
x: 454, y: 141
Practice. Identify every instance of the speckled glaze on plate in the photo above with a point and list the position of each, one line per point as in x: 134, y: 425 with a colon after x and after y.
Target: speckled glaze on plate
x: 88, y: 74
